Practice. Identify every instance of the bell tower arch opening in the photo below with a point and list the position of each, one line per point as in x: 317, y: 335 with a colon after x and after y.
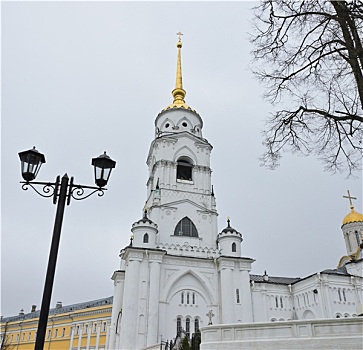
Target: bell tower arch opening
x: 184, y: 169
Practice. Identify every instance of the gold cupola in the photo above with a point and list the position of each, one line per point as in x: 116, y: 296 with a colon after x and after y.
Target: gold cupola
x: 179, y: 93
x: 353, y: 216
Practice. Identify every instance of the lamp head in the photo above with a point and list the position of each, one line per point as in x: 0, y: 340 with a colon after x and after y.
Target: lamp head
x: 103, y: 166
x: 31, y: 161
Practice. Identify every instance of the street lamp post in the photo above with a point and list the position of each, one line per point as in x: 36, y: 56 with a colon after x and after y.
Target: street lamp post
x: 62, y: 190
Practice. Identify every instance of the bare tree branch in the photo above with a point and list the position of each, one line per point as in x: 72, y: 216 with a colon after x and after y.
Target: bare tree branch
x: 312, y: 57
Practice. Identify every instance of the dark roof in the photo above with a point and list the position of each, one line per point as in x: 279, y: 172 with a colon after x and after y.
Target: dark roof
x: 229, y: 228
x: 340, y: 271
x: 61, y: 310
x: 276, y: 280
x: 144, y: 219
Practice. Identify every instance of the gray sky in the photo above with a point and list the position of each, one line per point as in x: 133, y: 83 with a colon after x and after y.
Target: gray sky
x: 79, y: 78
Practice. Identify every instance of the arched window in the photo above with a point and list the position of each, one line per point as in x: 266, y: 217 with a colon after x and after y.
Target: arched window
x: 184, y: 169
x: 196, y: 325
x: 146, y: 238
x: 185, y: 227
x: 178, y: 326
x: 233, y: 247
x: 188, y: 298
x: 187, y: 327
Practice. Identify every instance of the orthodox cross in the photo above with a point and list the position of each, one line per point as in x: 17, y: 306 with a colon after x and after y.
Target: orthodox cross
x: 350, y: 199
x: 210, y: 314
x: 179, y: 34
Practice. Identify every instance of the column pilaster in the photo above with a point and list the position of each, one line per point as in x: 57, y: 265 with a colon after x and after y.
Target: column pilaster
x: 154, y: 298
x: 226, y: 267
x: 130, y: 300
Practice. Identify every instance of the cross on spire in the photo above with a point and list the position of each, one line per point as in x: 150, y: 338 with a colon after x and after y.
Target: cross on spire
x: 350, y: 199
x: 179, y: 34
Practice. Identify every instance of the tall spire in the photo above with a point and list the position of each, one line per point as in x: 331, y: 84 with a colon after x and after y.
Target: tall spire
x: 179, y: 93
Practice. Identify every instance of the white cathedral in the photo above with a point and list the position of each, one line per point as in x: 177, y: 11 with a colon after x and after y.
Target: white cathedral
x: 180, y: 274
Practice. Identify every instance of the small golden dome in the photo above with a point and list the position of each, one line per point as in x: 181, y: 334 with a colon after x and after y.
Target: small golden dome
x: 353, y: 216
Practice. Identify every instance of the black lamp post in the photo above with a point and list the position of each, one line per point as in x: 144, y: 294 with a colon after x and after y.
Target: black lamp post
x: 62, y: 190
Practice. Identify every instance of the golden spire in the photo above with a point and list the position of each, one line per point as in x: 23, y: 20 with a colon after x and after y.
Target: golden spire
x: 179, y: 93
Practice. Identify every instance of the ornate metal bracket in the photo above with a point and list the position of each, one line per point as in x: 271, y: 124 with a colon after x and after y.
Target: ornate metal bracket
x: 52, y: 189
x: 77, y: 192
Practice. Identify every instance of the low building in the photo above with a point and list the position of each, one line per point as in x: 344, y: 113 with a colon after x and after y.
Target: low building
x: 79, y: 326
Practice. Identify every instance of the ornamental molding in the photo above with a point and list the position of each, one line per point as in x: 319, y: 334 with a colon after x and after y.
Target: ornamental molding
x: 225, y: 264
x: 156, y: 257
x: 245, y: 265
x: 133, y: 255
x: 187, y: 262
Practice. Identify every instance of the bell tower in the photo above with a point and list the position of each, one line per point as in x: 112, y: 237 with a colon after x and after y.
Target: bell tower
x: 177, y: 268
x: 180, y: 198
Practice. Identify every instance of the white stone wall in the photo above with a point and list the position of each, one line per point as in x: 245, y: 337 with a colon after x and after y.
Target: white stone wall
x: 343, y: 334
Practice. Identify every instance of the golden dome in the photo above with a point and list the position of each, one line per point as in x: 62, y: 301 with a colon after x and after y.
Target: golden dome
x: 353, y: 216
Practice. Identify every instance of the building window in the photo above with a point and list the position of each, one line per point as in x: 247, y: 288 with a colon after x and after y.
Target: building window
x: 193, y: 298
x: 348, y: 240
x: 237, y: 296
x: 185, y: 227
x: 339, y: 295
x: 56, y: 333
x: 29, y: 336
x: 63, y: 332
x: 94, y: 327
x: 104, y: 327
x: 184, y: 169
x: 146, y: 238
x: 178, y: 326
x: 86, y: 328
x: 49, y: 333
x: 344, y: 296
x: 77, y: 330
x: 182, y: 298
x: 188, y: 298
x: 233, y: 247
x: 187, y: 327
x: 357, y: 237
x: 281, y: 304
x: 276, y: 301
x: 196, y: 325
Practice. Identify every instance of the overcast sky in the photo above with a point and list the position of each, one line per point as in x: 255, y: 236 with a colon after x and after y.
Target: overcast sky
x: 80, y: 78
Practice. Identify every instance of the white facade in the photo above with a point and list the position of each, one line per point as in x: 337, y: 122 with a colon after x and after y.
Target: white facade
x: 180, y: 267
